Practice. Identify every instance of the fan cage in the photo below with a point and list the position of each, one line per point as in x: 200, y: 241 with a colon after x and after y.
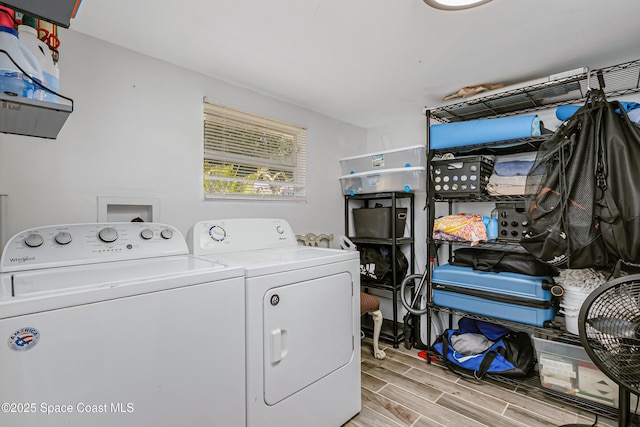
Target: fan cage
x: 609, y: 326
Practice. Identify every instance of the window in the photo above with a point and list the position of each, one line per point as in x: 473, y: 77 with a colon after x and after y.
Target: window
x: 251, y: 157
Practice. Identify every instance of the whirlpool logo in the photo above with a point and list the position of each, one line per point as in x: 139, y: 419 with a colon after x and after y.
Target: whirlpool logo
x: 22, y: 260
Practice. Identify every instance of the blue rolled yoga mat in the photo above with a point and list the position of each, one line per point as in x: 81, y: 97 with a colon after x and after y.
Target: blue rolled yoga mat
x: 564, y: 112
x: 480, y: 131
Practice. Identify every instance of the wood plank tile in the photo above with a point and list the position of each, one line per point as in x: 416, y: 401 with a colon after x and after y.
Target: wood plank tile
x: 408, y: 359
x: 388, y: 408
x: 415, y: 361
x: 409, y: 384
x: 370, y: 382
x: 430, y: 411
x: 459, y: 390
x: 547, y: 407
x: 370, y: 418
x: 387, y: 363
x: 539, y: 394
x: 425, y: 422
x: 536, y: 419
x: 403, y: 390
x: 602, y: 421
x: 475, y: 412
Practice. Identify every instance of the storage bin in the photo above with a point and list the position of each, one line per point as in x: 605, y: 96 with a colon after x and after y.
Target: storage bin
x: 567, y: 369
x: 376, y: 222
x: 572, y: 301
x: 463, y: 176
x: 388, y: 159
x: 399, y: 179
x: 512, y: 221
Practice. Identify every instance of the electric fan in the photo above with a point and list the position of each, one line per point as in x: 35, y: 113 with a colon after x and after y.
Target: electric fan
x: 609, y: 326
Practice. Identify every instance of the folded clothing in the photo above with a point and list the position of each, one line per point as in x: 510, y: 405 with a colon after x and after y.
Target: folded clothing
x: 508, y: 180
x: 512, y: 185
x: 506, y: 190
x: 513, y: 167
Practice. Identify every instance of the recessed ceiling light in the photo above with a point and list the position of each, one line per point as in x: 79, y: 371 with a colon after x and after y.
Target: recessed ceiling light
x: 455, y: 4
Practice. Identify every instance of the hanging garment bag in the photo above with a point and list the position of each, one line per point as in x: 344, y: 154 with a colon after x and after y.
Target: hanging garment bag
x: 618, y: 178
x: 583, y: 211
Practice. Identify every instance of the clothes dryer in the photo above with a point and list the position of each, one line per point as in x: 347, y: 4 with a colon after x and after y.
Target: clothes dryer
x: 116, y: 324
x: 302, y: 321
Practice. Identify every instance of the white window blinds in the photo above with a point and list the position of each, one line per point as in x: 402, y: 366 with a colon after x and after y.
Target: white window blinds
x: 251, y: 157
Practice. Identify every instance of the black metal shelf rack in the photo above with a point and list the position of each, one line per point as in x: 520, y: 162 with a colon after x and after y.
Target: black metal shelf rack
x: 392, y: 329
x: 617, y: 80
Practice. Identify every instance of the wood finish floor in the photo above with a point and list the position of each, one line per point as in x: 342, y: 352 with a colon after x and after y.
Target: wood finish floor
x: 404, y: 391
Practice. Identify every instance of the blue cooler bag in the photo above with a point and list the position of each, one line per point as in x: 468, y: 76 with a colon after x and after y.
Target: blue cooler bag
x: 480, y: 348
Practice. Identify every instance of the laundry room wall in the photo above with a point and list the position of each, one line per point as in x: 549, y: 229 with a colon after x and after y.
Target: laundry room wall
x: 405, y: 133
x: 136, y: 132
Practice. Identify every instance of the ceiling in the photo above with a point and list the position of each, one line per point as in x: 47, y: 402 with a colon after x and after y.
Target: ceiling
x: 369, y: 62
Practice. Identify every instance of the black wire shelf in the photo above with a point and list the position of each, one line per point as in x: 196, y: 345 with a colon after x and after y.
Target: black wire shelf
x: 616, y: 80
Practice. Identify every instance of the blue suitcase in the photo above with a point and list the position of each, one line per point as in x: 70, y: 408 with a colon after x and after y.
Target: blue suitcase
x: 507, y: 296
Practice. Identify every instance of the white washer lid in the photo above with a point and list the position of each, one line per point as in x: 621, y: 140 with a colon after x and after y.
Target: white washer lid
x: 47, y: 289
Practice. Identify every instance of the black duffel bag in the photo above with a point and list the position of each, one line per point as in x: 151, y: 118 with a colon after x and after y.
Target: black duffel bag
x: 376, y: 264
x: 497, y: 261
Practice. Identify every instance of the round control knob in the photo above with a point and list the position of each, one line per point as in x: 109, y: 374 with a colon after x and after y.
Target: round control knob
x: 279, y: 229
x: 108, y: 235
x: 63, y: 238
x: 217, y: 233
x: 167, y: 233
x: 146, y: 234
x: 33, y: 240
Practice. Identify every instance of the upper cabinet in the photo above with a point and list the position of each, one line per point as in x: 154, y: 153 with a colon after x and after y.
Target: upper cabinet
x: 59, y: 12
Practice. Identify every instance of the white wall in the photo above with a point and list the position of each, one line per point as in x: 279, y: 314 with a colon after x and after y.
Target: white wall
x: 407, y: 133
x: 136, y: 131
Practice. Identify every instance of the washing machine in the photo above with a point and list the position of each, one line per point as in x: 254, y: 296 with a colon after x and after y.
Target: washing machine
x: 116, y: 324
x: 302, y: 321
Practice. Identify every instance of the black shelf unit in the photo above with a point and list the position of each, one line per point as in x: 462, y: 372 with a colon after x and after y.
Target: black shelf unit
x: 555, y: 332
x: 392, y: 329
x: 616, y: 81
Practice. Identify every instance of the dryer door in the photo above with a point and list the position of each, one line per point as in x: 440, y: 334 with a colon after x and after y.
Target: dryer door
x: 308, y: 333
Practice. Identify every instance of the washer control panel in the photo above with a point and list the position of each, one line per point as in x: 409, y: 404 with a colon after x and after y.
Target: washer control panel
x: 75, y: 244
x: 239, y: 234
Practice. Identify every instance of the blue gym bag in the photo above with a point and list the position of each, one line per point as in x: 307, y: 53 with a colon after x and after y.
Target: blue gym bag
x: 480, y: 348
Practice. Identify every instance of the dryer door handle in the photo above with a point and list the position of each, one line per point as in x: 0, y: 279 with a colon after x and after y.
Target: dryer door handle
x: 278, y: 345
